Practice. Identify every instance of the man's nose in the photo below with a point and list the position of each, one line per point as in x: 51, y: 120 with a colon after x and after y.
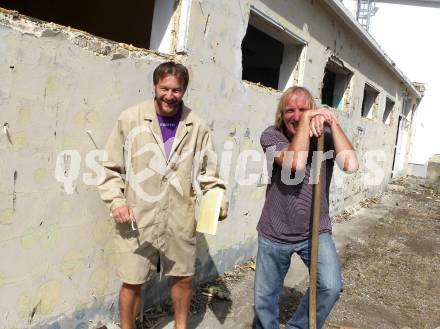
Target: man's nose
x: 169, y: 94
x: 297, y: 115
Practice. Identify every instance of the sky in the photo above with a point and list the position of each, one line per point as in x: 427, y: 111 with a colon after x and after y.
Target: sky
x: 409, y: 35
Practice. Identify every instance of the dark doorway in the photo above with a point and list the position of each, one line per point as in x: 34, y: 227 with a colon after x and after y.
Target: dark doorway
x: 328, y: 87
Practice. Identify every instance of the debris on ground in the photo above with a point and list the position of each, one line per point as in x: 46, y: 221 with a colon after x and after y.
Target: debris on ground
x: 216, y: 289
x: 216, y: 292
x: 390, y: 270
x: 344, y: 216
x: 349, y: 212
x: 391, y: 280
x: 369, y: 202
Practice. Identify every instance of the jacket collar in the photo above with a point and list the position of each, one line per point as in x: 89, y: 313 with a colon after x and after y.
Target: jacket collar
x: 185, y: 123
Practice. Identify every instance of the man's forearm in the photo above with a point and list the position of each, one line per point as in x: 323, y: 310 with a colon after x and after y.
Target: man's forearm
x: 299, y: 146
x: 345, y: 154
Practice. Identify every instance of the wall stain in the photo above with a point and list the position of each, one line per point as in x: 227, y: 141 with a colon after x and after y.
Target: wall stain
x: 14, y: 194
x: 6, y: 216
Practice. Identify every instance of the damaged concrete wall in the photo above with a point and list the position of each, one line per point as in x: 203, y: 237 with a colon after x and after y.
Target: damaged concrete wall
x: 62, y: 89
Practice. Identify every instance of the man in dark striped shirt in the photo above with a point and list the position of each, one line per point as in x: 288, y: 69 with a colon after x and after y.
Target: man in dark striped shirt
x: 286, y: 220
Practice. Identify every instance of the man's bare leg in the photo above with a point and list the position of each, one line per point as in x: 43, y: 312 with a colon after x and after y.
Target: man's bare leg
x: 181, y: 289
x: 129, y: 301
x: 137, y: 306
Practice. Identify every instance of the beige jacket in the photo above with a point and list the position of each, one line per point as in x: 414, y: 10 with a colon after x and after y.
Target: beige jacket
x: 160, y: 191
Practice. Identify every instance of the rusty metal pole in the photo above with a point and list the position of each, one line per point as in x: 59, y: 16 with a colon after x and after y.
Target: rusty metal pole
x: 317, y: 170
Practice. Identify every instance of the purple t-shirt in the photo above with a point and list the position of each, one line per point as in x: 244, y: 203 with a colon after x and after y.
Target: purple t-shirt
x: 287, y: 210
x: 168, y: 127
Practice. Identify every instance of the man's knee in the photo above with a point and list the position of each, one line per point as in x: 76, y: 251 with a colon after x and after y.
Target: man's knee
x: 183, y: 281
x: 331, y: 288
x: 130, y: 289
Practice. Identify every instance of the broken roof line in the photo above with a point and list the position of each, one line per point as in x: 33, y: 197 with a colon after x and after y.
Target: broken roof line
x: 343, y: 13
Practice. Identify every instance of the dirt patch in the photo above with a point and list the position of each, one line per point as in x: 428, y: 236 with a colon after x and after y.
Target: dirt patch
x: 391, y: 280
x: 390, y: 258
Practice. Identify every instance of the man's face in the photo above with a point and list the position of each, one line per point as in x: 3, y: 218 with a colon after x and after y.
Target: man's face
x: 295, y: 107
x: 169, y: 92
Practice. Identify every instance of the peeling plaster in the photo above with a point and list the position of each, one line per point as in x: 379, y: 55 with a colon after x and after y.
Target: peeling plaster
x: 99, y: 46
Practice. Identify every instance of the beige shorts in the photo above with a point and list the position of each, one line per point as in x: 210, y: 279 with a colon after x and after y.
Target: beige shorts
x: 141, y: 254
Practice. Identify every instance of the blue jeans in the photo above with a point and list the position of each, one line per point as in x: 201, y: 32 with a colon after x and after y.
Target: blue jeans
x: 273, y: 261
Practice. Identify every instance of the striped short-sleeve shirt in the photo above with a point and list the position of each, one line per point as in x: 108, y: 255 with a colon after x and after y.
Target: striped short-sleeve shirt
x: 287, y: 212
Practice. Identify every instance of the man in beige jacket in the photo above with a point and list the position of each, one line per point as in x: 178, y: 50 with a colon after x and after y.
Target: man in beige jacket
x: 159, y: 155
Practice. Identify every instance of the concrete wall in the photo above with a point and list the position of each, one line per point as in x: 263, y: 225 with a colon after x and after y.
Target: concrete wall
x: 417, y: 169
x: 433, y: 171
x: 57, y: 83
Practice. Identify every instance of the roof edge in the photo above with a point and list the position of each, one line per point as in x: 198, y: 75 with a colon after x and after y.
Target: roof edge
x: 344, y: 14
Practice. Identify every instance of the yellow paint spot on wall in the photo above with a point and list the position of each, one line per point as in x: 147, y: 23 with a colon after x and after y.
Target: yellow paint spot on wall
x: 83, y: 119
x: 64, y: 207
x: 80, y: 119
x: 247, y: 144
x: 94, y: 118
x: 98, y: 283
x: 258, y: 194
x: 19, y: 140
x: 51, y: 85
x: 40, y: 175
x: 28, y: 240
x: 102, y: 230
x: 6, y: 216
x: 72, y: 262
x: 24, y: 305
x: 50, y: 238
x: 2, y: 280
x: 250, y: 229
x: 24, y: 116
x: 48, y: 297
x: 196, y: 104
x: 69, y: 141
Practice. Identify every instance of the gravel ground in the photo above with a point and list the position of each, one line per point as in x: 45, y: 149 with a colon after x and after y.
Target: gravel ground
x: 390, y: 263
x: 391, y: 279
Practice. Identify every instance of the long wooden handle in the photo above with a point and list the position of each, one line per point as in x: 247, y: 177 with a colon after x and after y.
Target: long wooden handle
x: 317, y: 170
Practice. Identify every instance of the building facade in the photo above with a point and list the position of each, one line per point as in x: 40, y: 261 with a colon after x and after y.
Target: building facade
x: 61, y: 90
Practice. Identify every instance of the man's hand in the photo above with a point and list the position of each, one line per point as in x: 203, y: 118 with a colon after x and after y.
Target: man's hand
x: 318, y: 119
x: 123, y: 214
x: 224, y: 211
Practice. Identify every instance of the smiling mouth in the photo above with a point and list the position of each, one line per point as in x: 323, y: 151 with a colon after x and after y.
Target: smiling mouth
x: 169, y: 103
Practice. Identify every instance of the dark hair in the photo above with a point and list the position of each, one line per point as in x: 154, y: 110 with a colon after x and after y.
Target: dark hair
x: 171, y: 68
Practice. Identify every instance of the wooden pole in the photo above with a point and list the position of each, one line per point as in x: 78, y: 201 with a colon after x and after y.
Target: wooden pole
x: 318, y: 168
